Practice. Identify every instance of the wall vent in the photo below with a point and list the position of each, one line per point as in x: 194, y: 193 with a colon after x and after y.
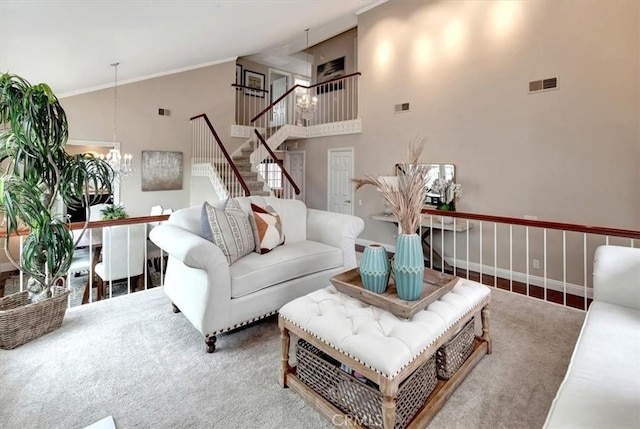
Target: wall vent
x: 543, y: 84
x: 164, y: 112
x: 403, y: 107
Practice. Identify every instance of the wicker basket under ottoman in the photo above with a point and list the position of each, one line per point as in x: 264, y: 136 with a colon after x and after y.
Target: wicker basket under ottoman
x: 21, y: 321
x: 451, y: 356
x: 359, y: 400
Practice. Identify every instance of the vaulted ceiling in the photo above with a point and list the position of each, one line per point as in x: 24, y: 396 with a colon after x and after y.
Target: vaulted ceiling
x: 70, y: 44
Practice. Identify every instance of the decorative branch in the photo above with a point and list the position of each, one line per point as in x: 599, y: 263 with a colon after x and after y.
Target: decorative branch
x: 405, y: 200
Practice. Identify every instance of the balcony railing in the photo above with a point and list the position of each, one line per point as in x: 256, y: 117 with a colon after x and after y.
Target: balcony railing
x: 547, y: 260
x: 113, y: 258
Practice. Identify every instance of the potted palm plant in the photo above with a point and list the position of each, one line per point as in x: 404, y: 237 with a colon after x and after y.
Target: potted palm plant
x: 36, y: 172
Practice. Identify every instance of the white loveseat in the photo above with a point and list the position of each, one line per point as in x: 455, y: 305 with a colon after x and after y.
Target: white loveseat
x: 602, y: 386
x: 216, y: 297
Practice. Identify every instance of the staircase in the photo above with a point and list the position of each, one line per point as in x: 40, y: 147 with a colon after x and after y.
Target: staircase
x: 250, y: 177
x: 237, y: 175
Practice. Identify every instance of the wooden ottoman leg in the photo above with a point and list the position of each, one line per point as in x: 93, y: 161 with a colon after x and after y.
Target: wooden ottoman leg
x: 485, y: 327
x: 210, y: 341
x: 389, y: 412
x: 285, y: 340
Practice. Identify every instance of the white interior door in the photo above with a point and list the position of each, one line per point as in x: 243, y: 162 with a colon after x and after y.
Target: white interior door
x: 339, y: 186
x: 294, y: 163
x: 279, y: 111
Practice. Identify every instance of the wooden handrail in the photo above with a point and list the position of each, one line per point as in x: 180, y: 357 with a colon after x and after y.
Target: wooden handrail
x: 334, y: 80
x: 290, y: 90
x: 101, y: 223
x: 275, y: 158
x: 587, y: 229
x: 224, y: 152
x: 248, y: 87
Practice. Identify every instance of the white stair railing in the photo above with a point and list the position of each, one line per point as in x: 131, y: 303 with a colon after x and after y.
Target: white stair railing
x: 210, y: 159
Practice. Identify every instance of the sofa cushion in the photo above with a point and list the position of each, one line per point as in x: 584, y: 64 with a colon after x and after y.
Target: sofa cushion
x: 601, y: 388
x: 267, y: 228
x: 292, y: 212
x: 230, y: 230
x: 286, y: 262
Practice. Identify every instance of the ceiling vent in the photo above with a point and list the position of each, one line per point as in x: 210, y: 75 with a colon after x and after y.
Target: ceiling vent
x: 543, y: 85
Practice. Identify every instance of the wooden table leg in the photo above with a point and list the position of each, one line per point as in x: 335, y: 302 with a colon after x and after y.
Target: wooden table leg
x: 389, y: 412
x: 485, y: 327
x: 285, y: 340
x: 94, y: 261
x: 438, y: 260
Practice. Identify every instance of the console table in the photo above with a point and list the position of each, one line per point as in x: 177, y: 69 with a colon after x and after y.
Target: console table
x: 427, y: 225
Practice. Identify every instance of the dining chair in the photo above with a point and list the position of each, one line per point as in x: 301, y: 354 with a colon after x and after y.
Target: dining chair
x: 123, y: 249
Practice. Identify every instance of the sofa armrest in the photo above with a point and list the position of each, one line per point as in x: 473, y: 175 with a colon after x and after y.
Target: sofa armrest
x: 616, y: 276
x: 187, y: 247
x: 337, y: 230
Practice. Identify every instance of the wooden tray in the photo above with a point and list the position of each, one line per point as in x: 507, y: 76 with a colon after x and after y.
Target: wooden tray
x: 436, y: 284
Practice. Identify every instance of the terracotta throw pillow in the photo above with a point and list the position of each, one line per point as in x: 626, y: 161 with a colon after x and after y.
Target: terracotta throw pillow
x: 230, y: 230
x: 267, y: 231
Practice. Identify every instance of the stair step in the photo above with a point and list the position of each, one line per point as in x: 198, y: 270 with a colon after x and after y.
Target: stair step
x: 261, y: 193
x: 249, y: 176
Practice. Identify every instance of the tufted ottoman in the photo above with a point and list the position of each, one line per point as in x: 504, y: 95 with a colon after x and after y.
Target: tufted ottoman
x: 384, y: 348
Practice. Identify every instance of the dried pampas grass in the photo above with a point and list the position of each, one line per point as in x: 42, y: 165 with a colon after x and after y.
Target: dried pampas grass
x: 405, y: 200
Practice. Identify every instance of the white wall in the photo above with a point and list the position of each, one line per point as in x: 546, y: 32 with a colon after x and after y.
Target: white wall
x: 206, y: 90
x: 571, y: 155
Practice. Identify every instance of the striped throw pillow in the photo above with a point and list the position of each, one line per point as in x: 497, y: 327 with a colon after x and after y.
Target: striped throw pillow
x: 230, y: 230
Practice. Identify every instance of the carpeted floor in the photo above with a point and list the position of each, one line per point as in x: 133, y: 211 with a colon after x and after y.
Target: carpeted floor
x: 132, y: 358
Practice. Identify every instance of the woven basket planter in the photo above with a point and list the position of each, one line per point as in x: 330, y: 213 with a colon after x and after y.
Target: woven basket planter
x: 451, y: 356
x: 363, y: 401
x: 21, y: 321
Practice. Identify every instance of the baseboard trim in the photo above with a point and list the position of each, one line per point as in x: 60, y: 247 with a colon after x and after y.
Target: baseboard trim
x: 556, y: 285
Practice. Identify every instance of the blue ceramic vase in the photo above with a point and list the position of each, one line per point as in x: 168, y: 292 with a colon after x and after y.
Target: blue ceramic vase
x: 375, y: 268
x: 408, y: 266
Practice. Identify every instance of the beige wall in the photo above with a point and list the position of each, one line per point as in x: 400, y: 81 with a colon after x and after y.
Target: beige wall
x: 206, y: 90
x: 570, y: 155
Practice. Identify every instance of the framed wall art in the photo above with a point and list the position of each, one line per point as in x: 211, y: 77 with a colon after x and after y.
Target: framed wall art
x: 161, y: 170
x: 254, y: 80
x: 328, y: 71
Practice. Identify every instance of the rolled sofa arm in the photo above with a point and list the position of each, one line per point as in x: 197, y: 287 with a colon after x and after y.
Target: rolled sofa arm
x: 190, y: 249
x: 616, y: 276
x: 337, y: 230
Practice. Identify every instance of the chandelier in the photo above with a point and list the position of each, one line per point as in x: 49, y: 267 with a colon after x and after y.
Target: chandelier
x: 121, y: 164
x: 305, y: 103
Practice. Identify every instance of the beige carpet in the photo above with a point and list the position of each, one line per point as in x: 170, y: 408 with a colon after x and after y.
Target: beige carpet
x: 132, y: 358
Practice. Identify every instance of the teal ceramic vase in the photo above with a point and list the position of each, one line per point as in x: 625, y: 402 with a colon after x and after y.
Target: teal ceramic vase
x: 375, y: 268
x: 408, y: 266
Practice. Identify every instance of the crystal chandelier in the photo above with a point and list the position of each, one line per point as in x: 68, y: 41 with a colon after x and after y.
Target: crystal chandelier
x: 306, y: 103
x: 121, y: 164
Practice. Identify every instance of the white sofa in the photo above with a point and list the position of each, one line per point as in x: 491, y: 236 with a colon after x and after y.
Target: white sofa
x: 602, y: 386
x: 216, y: 297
